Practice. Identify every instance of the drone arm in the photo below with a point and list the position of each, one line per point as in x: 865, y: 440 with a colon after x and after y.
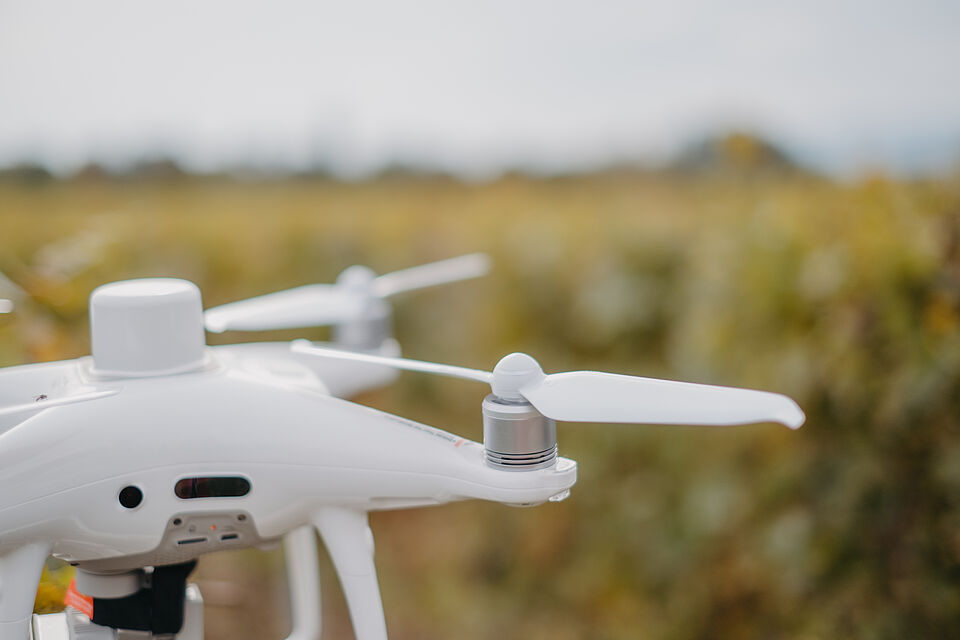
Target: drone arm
x: 349, y: 540
x: 19, y: 576
x: 300, y: 549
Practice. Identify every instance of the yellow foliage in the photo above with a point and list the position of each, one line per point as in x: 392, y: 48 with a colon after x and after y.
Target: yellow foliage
x: 843, y: 295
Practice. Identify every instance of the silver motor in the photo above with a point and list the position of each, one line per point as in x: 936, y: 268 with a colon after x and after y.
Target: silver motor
x: 516, y: 436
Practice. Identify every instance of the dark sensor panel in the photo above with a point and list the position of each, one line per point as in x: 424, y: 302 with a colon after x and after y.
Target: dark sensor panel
x: 212, y: 487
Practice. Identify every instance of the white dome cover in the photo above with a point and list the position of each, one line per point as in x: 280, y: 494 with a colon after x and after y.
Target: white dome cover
x: 151, y: 326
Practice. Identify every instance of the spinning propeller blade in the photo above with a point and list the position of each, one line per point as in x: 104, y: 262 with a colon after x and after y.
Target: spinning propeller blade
x: 310, y: 305
x: 473, y: 265
x: 325, y: 304
x: 591, y: 396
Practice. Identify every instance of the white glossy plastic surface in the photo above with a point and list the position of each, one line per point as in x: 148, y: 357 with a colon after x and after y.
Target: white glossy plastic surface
x: 52, y: 626
x: 299, y: 446
x: 152, y: 326
x: 300, y: 552
x: 302, y: 450
x: 347, y: 536
x: 342, y: 379
x: 26, y: 390
x: 20, y: 568
x: 591, y: 396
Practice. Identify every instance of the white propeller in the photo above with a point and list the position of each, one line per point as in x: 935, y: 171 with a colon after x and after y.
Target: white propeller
x: 324, y: 304
x: 591, y: 396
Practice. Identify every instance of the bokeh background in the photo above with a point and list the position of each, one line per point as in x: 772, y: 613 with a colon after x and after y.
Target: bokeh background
x: 741, y: 195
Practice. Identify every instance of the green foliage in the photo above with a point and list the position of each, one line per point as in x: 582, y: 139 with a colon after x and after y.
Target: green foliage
x: 844, y: 296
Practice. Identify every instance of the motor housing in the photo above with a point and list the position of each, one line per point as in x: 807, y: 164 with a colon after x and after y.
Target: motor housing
x: 517, y: 437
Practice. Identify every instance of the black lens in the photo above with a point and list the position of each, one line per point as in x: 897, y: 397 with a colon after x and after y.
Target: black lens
x: 131, y: 497
x: 212, y: 487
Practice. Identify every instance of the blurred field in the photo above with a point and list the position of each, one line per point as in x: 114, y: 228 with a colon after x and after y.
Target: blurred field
x: 844, y: 296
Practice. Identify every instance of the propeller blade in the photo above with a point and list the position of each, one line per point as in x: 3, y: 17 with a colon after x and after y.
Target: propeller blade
x: 590, y: 396
x: 307, y: 306
x: 306, y: 347
x: 322, y: 304
x: 472, y: 265
x: 42, y: 403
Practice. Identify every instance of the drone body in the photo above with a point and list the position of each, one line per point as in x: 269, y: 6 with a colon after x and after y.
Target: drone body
x: 154, y: 452
x: 294, y: 450
x: 158, y: 449
x: 292, y: 445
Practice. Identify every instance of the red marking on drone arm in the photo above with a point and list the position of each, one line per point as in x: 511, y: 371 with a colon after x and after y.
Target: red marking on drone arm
x: 80, y: 602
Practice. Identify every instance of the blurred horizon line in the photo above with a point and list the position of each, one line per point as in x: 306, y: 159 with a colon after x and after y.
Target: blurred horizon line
x: 731, y: 151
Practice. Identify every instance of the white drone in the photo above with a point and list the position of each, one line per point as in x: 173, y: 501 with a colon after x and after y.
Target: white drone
x: 165, y: 449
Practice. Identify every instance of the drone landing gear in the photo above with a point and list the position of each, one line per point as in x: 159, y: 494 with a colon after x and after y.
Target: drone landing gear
x: 300, y: 549
x: 347, y: 536
x: 19, y: 574
x: 153, y: 610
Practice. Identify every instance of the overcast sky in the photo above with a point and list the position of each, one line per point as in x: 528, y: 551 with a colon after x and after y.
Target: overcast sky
x: 475, y: 86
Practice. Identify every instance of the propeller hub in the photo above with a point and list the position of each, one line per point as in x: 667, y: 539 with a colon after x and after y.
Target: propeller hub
x: 368, y: 331
x: 152, y: 326
x: 375, y: 321
x: 357, y: 279
x: 513, y: 373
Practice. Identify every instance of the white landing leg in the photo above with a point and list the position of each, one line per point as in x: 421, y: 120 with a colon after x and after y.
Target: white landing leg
x: 19, y: 576
x: 300, y: 550
x: 349, y: 540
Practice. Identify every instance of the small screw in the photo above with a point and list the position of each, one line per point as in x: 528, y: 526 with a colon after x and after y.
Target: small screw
x: 177, y: 522
x: 241, y: 517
